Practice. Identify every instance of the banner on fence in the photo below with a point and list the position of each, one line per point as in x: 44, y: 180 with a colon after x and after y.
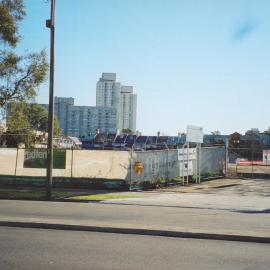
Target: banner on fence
x: 37, y: 158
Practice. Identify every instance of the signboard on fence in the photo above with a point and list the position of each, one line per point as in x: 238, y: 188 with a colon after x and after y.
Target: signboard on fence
x: 138, y: 167
x: 266, y: 157
x: 187, y: 154
x: 194, y: 134
x: 37, y: 158
x: 185, y: 168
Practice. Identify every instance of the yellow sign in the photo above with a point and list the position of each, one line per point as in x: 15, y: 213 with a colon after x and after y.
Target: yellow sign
x: 138, y: 168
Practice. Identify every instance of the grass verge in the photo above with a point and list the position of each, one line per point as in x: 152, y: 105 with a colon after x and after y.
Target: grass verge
x: 58, y: 195
x: 102, y: 197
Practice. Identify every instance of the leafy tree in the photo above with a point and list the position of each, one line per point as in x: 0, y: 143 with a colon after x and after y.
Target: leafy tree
x: 216, y: 132
x: 38, y: 119
x: 20, y: 76
x: 19, y: 129
x: 56, y: 127
x: 23, y: 122
x: 127, y: 131
x: 267, y: 131
x: 252, y: 132
x: 11, y: 12
x: 2, y: 131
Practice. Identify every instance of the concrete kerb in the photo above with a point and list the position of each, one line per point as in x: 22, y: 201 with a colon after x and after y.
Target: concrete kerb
x: 136, y: 231
x: 52, y: 200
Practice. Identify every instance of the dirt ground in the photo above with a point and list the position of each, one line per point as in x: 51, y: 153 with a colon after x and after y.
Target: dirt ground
x: 226, y: 186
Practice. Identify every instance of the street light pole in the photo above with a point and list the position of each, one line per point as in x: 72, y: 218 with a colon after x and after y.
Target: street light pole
x: 51, y: 24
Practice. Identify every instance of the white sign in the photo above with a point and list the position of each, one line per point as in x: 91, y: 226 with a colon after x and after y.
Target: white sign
x: 185, y: 168
x: 194, y: 134
x: 189, y: 154
x: 266, y: 157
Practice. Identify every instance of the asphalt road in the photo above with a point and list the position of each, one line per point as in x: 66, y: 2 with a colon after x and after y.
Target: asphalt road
x: 50, y: 249
x: 130, y: 216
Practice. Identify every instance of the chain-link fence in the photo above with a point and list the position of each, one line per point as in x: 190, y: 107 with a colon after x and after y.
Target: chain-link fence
x: 164, y: 166
x: 130, y: 166
x: 213, y: 161
x: 249, y: 162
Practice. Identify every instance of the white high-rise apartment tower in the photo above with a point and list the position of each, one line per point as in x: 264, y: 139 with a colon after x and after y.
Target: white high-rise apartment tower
x: 128, y: 108
x: 109, y: 93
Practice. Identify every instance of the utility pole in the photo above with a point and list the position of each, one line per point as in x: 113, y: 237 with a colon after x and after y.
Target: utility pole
x: 51, y: 25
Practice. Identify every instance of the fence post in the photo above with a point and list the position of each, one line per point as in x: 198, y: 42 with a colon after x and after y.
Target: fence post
x: 71, y: 171
x: 167, y: 173
x: 183, y: 164
x: 196, y: 176
x: 198, y: 179
x: 167, y: 163
x: 252, y: 159
x: 226, y: 157
x: 16, y: 162
x: 130, y: 168
x: 199, y: 168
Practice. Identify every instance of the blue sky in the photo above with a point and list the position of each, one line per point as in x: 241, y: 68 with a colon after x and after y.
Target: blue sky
x: 192, y: 62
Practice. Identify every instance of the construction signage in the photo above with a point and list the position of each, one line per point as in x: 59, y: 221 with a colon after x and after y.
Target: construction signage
x: 139, y: 168
x: 37, y: 158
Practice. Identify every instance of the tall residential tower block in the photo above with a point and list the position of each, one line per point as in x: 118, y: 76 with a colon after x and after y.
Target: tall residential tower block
x: 115, y: 110
x: 110, y: 93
